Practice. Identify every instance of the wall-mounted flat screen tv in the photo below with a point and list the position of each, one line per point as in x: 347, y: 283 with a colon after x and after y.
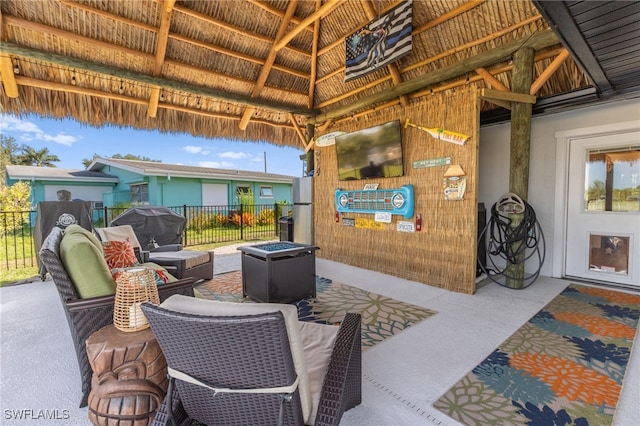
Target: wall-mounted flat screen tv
x: 374, y: 152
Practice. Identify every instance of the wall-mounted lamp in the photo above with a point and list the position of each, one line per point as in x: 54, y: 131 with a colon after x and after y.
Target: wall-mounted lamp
x: 16, y: 67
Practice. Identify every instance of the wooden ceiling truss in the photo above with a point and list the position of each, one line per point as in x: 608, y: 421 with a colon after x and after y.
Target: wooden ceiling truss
x: 481, y: 66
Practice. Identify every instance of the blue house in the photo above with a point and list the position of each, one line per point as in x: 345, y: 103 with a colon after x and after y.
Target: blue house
x: 108, y: 182
x: 160, y: 184
x: 54, y: 184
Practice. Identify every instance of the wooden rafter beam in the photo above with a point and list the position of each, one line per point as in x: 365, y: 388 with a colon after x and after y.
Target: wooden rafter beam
x: 8, y: 77
x: 547, y: 73
x: 314, y: 58
x: 491, y: 80
x: 310, y: 145
x: 276, y: 11
x: 439, y: 88
x: 500, y: 102
x: 271, y: 57
x: 214, y: 75
x: 67, y: 88
x: 536, y: 41
x: 108, y: 15
x: 491, y: 95
x: 163, y: 36
x: 465, y: 7
x: 294, y: 123
x: 161, y: 51
x: 325, y: 126
x: 154, y: 101
x: 324, y: 10
x: 238, y: 55
x: 187, y: 40
x: 148, y: 80
x: 92, y: 43
x: 227, y: 27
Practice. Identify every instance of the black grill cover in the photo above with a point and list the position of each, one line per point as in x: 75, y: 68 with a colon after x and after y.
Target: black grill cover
x: 60, y: 214
x: 153, y: 223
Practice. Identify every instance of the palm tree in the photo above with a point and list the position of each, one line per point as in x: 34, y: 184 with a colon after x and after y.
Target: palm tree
x: 32, y: 157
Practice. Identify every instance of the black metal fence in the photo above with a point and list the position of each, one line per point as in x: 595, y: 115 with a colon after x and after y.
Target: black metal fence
x: 205, y: 225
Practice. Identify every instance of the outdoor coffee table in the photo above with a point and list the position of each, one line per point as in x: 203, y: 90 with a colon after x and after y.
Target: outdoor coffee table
x: 279, y: 272
x: 129, y: 376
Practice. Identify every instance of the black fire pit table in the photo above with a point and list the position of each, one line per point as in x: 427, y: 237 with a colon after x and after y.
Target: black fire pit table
x: 280, y: 272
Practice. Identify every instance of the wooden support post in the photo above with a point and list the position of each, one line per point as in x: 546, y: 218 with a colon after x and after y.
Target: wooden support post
x: 310, y: 153
x: 521, y: 79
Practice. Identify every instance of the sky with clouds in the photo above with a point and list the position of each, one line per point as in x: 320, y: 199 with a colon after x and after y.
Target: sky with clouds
x: 73, y: 142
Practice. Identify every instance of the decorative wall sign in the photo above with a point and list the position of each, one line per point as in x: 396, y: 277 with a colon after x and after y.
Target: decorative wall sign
x: 328, y: 139
x: 398, y: 201
x: 347, y: 221
x: 442, y: 134
x: 371, y: 186
x: 431, y: 162
x: 454, y: 183
x: 368, y: 224
x: 404, y: 226
x: 385, y: 39
x: 384, y: 217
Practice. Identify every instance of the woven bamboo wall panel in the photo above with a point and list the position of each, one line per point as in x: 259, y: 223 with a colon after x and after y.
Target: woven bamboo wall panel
x: 443, y: 254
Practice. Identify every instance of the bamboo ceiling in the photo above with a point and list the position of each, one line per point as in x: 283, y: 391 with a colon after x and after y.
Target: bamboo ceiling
x: 256, y: 70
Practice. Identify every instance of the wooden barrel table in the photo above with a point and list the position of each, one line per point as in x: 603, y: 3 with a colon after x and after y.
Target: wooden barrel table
x: 129, y: 377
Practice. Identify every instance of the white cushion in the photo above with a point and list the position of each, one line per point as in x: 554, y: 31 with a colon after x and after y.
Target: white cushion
x: 193, y: 305
x: 318, y: 341
x: 119, y: 233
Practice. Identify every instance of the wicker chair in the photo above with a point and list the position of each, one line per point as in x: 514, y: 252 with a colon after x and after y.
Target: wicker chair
x: 181, y: 263
x: 252, y: 362
x: 86, y: 316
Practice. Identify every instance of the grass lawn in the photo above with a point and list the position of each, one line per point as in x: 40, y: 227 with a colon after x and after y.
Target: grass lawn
x: 16, y: 275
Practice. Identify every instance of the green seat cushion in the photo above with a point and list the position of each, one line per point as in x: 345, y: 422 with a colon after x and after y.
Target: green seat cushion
x: 84, y: 261
x: 77, y: 229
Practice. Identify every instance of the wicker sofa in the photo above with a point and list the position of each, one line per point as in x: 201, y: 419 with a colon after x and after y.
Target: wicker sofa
x: 87, y: 315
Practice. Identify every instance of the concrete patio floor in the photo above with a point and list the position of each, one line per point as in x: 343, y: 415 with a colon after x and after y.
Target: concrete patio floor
x: 402, y: 376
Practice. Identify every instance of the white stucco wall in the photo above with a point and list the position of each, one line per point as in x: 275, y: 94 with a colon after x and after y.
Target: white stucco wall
x: 493, y: 173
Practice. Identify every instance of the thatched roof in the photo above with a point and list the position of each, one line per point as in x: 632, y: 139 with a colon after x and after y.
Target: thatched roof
x: 253, y: 69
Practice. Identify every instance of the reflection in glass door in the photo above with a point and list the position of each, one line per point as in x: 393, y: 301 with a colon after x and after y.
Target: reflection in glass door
x: 613, y: 180
x: 612, y: 185
x: 603, y: 213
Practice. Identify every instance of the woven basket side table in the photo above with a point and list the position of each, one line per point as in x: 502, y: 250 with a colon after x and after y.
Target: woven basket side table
x: 129, y: 377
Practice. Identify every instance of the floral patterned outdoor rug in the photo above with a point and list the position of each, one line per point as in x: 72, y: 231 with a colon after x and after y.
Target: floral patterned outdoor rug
x: 565, y: 366
x: 382, y: 317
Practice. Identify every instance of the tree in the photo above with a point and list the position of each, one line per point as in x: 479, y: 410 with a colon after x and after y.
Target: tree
x: 14, y: 199
x: 8, y: 153
x: 36, y: 157
x: 596, y: 190
x: 87, y: 161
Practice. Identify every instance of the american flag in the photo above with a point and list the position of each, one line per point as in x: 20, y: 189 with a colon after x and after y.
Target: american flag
x: 382, y: 41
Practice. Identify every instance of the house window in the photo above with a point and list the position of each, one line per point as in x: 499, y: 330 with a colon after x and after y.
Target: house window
x: 266, y: 192
x: 139, y: 194
x: 243, y: 190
